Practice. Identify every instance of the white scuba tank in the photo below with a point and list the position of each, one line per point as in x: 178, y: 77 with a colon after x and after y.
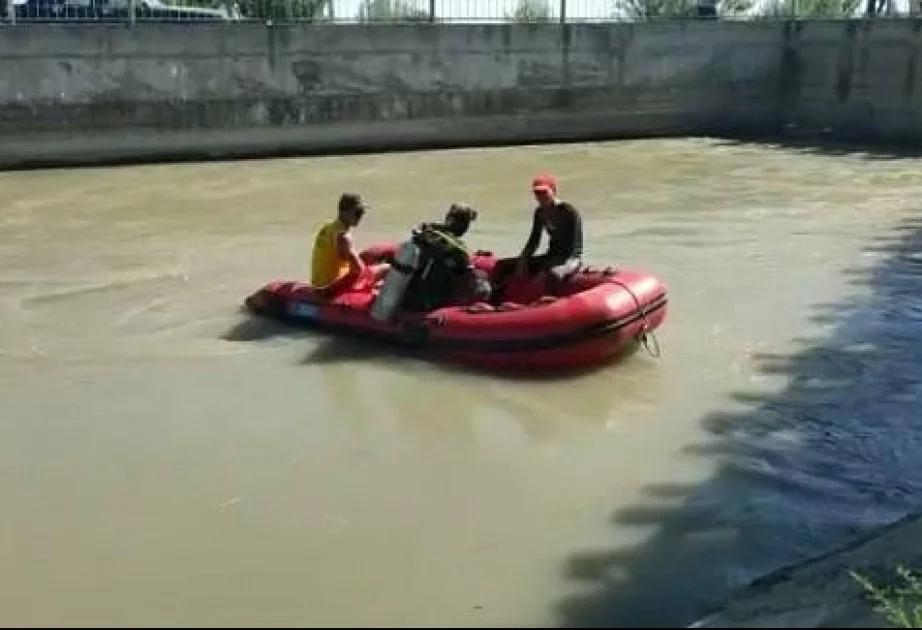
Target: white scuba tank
x: 406, y: 262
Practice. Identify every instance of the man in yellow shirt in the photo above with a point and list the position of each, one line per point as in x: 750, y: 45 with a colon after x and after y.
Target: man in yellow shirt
x: 335, y: 264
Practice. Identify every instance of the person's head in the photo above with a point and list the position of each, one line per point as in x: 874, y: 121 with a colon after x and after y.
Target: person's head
x: 459, y: 217
x: 351, y: 209
x: 544, y: 187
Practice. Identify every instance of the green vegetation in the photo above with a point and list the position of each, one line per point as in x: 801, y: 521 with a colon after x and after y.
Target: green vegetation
x: 900, y: 604
x: 531, y: 11
x: 277, y: 10
x: 811, y: 8
x: 305, y: 10
x: 315, y: 10
x: 665, y: 9
x: 390, y: 11
x: 655, y: 9
x: 536, y: 11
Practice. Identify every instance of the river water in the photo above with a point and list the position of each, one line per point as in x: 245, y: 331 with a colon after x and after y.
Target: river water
x: 164, y: 461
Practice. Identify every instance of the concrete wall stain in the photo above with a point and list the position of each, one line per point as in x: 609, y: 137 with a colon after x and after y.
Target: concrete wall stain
x: 846, y: 67
x: 912, y: 61
x: 308, y: 73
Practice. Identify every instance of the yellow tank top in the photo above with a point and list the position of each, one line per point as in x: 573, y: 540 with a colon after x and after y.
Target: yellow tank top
x: 326, y: 263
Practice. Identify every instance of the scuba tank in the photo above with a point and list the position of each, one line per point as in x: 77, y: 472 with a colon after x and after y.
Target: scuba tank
x: 404, y: 267
x: 442, y: 257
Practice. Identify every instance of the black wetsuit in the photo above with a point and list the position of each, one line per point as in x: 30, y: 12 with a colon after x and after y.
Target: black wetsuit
x: 442, y: 266
x: 564, y: 251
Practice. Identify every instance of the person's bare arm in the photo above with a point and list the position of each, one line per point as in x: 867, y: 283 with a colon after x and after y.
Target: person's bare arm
x: 346, y: 246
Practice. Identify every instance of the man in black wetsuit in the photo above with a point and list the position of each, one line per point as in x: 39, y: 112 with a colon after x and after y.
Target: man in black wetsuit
x: 447, y: 273
x: 563, y: 224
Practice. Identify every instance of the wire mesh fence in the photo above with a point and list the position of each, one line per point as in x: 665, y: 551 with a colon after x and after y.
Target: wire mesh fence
x: 440, y: 11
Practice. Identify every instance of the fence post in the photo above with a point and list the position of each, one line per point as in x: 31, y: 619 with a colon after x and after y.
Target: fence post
x: 432, y: 11
x: 563, y: 11
x: 131, y: 15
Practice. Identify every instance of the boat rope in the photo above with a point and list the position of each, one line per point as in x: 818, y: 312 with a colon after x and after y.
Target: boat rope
x: 646, y: 332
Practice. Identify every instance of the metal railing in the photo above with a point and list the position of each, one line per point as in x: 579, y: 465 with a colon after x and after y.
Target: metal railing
x: 440, y: 11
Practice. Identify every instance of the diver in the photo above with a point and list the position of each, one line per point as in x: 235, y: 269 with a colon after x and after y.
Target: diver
x: 446, y: 273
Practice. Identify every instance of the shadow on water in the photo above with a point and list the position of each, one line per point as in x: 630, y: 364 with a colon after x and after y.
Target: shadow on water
x: 831, y: 455
x: 831, y: 147
x: 250, y: 328
x: 333, y: 349
x: 326, y: 349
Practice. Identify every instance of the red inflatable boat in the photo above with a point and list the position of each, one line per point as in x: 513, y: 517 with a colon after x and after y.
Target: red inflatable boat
x: 594, y: 317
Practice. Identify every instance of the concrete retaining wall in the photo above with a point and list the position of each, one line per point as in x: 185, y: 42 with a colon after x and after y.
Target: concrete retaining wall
x: 856, y: 80
x: 91, y: 93
x: 87, y: 93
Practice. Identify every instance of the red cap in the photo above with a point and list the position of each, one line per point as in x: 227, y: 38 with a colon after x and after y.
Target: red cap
x: 545, y: 183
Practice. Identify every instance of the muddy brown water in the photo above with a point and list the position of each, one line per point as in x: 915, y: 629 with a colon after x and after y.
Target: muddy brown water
x: 164, y: 462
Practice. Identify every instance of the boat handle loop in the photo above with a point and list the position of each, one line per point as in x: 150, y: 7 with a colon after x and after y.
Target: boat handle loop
x: 646, y: 333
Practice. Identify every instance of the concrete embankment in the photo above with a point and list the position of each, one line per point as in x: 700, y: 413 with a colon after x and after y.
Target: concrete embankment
x: 87, y: 93
x: 821, y: 592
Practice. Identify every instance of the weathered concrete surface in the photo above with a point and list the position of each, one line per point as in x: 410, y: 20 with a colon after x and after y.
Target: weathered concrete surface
x: 168, y: 91
x: 87, y: 93
x: 821, y: 593
x: 853, y: 80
